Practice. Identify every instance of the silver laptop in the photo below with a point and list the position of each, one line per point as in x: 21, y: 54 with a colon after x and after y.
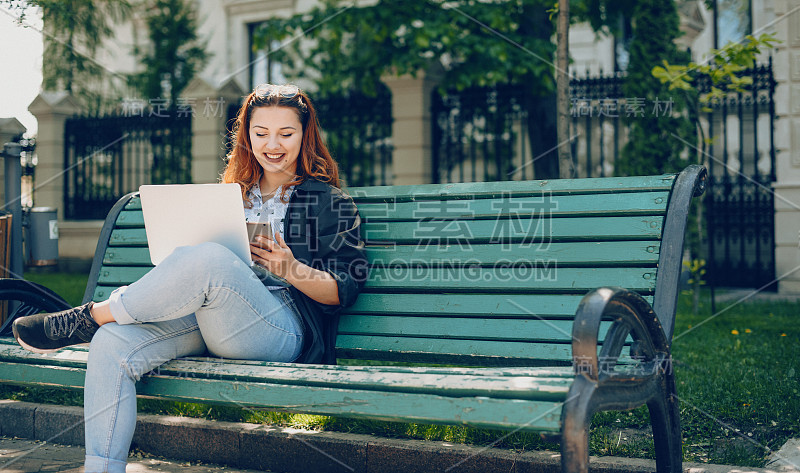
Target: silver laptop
x: 190, y: 214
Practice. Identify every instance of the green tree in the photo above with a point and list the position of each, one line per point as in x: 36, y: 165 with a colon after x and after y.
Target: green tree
x: 724, y: 71
x: 565, y: 159
x: 485, y: 43
x: 73, y: 31
x: 477, y: 43
x: 657, y: 136
x: 174, y: 53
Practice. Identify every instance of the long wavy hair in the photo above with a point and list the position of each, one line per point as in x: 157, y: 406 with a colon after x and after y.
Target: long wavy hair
x: 314, y: 160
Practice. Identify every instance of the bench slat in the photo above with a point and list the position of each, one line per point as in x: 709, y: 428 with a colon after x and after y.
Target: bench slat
x: 610, y: 253
x: 121, y: 275
x: 128, y: 237
x: 397, y: 407
x: 77, y: 355
x: 127, y: 256
x: 512, y: 188
x: 643, y: 203
x: 606, y: 253
x: 480, y: 231
x: 519, y: 229
x: 476, y: 348
x: 102, y: 292
x: 478, y: 305
x: 520, y: 330
x: 465, y: 305
x: 449, y: 385
x: 456, y: 352
x: 130, y: 218
x: 496, y: 280
x: 504, y: 280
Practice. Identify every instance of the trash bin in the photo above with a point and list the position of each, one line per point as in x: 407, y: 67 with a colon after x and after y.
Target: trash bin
x: 5, y: 243
x: 5, y: 256
x: 43, y: 236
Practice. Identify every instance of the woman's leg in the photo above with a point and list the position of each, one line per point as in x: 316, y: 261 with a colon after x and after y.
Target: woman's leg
x: 238, y: 317
x: 199, y: 297
x: 118, y: 356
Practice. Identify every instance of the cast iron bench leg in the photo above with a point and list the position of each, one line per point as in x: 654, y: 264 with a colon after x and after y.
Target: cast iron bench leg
x: 665, y: 421
x: 575, y: 419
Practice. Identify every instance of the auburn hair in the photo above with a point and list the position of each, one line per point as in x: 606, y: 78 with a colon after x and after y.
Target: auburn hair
x: 314, y: 160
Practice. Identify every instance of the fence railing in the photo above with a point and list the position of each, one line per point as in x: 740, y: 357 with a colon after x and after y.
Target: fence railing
x: 481, y: 135
x: 740, y: 203
x: 358, y: 131
x: 107, y: 157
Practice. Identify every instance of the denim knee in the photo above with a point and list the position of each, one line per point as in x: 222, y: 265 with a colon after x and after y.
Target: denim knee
x: 112, y: 352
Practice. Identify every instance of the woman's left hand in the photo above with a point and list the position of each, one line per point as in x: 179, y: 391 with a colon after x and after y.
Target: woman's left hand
x: 276, y: 255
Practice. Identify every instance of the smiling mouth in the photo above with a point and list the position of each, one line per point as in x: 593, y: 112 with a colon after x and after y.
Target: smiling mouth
x: 274, y: 158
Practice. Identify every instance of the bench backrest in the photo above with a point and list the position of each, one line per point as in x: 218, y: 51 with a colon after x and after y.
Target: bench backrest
x: 480, y: 273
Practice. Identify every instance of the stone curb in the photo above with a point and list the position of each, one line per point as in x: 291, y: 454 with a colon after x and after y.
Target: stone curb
x: 287, y: 450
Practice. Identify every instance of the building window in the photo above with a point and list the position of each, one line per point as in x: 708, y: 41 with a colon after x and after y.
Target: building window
x: 263, y: 67
x: 733, y: 21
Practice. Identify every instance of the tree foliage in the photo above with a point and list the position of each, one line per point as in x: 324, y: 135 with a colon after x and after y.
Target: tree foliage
x: 174, y: 53
x: 73, y: 31
x: 476, y: 42
x: 724, y: 70
x: 658, y: 136
x: 471, y: 43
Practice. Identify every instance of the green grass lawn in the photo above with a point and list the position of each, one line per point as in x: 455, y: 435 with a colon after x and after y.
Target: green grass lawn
x: 70, y: 286
x: 738, y: 375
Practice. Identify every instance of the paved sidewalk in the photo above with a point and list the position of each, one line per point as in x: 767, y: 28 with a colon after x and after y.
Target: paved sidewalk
x: 33, y: 456
x: 195, y: 445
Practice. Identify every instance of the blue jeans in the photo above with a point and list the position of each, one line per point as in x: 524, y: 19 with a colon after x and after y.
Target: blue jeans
x: 199, y: 299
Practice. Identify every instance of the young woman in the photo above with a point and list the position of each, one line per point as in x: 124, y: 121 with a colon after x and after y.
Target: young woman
x: 205, y: 299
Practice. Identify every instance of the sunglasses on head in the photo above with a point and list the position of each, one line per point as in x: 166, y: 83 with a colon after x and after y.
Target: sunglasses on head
x: 268, y: 90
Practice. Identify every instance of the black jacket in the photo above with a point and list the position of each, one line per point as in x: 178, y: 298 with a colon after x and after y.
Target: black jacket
x: 323, y: 229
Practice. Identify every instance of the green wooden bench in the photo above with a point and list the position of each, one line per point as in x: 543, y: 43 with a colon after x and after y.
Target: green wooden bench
x: 530, y: 306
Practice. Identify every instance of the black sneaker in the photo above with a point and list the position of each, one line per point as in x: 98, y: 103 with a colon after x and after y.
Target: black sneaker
x: 44, y: 333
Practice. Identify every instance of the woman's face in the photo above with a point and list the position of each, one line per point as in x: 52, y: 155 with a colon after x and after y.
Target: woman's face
x: 276, y: 136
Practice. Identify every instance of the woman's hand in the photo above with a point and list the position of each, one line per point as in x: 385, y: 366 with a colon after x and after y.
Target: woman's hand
x: 277, y: 257
x: 273, y: 255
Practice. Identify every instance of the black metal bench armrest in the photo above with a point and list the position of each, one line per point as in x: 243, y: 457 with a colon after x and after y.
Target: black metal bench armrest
x: 632, y: 315
x: 599, y: 387
x: 690, y: 183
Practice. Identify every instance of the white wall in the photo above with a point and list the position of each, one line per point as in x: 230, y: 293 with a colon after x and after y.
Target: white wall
x: 590, y: 52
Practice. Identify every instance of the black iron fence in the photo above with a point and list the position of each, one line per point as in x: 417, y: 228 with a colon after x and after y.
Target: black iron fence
x: 598, y: 109
x: 483, y: 134
x: 358, y: 131
x: 740, y: 203
x: 480, y: 134
x: 109, y: 156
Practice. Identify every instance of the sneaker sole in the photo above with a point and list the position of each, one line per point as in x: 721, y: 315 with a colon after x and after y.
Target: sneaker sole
x: 28, y: 347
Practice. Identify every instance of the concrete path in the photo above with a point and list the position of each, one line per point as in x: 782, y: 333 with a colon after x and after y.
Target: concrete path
x: 787, y: 458
x: 195, y: 445
x: 33, y: 456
